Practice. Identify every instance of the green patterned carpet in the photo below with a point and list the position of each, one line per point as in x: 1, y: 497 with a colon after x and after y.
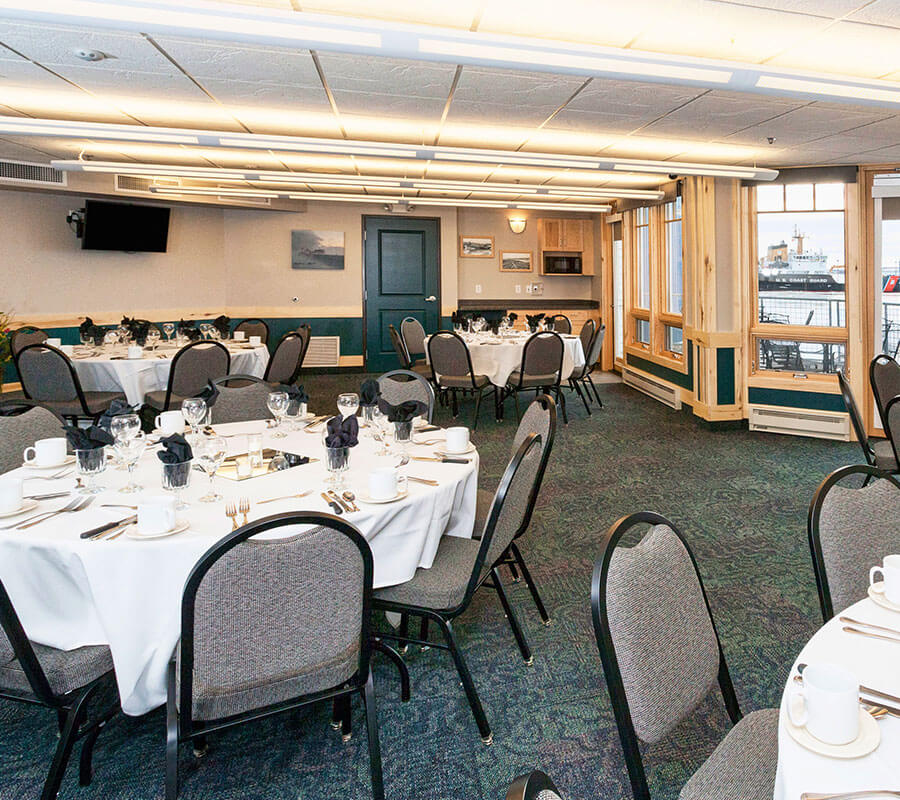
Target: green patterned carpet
x: 741, y: 498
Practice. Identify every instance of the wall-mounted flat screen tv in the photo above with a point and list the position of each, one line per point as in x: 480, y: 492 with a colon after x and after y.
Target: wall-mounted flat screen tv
x: 125, y: 226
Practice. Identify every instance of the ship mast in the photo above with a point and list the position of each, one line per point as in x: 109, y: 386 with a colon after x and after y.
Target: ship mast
x: 799, y: 237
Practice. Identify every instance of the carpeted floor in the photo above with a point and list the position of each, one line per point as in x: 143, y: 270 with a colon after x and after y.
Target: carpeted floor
x: 740, y: 497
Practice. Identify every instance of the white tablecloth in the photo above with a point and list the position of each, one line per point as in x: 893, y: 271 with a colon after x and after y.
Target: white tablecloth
x: 138, y: 376
x: 877, y: 665
x: 499, y: 357
x: 125, y: 593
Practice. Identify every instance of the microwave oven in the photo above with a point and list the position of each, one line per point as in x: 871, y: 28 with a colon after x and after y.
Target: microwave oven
x: 562, y: 264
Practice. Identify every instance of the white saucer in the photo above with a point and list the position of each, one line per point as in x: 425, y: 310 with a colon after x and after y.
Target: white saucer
x: 364, y: 496
x: 876, y: 592
x: 869, y: 738
x: 180, y: 526
x: 453, y: 454
x: 27, y: 505
x: 68, y: 460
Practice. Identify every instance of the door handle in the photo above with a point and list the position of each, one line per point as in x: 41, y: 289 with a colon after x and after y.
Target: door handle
x: 430, y: 299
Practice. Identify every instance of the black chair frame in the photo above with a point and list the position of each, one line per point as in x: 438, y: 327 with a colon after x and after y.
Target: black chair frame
x: 880, y: 402
x: 530, y: 786
x: 443, y: 618
x: 584, y: 382
x: 561, y: 316
x: 893, y: 436
x: 450, y: 391
x: 554, y: 388
x: 413, y: 376
x: 255, y: 320
x: 177, y: 357
x: 71, y: 708
x: 296, y: 373
x: 856, y: 420
x: 306, y: 332
x: 400, y: 348
x: 79, y: 392
x: 606, y: 646
x: 27, y: 328
x: 814, y: 518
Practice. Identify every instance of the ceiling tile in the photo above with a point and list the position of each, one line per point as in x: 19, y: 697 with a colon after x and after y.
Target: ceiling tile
x: 881, y: 12
x: 459, y: 14
x: 805, y: 124
x: 821, y: 8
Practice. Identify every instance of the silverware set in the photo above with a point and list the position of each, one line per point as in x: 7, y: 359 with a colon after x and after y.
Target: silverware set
x: 232, y: 510
x: 109, y: 531
x: 75, y: 504
x: 868, y: 629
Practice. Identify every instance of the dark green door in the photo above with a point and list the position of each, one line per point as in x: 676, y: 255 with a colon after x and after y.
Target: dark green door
x: 403, y: 279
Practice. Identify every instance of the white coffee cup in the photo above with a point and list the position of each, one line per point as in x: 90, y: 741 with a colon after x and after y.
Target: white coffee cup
x: 135, y: 351
x: 383, y: 484
x: 238, y: 336
x: 68, y: 349
x: 890, y: 575
x: 46, y: 452
x: 169, y: 422
x: 53, y: 342
x: 256, y: 341
x: 830, y: 708
x: 457, y: 439
x: 155, y: 514
x: 10, y: 495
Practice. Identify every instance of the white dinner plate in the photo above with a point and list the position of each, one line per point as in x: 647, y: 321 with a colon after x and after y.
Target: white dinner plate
x: 180, y: 527
x: 65, y: 462
x: 869, y: 738
x: 27, y: 505
x: 876, y: 592
x: 454, y: 453
x: 364, y: 496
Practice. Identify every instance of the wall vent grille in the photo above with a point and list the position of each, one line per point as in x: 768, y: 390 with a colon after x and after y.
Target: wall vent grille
x: 324, y: 351
x: 134, y: 183
x: 31, y: 173
x: 798, y: 422
x: 656, y: 389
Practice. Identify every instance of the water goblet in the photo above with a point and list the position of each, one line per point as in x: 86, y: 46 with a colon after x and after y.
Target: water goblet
x: 337, y: 459
x: 129, y: 450
x: 153, y: 337
x: 379, y: 431
x: 403, y: 435
x: 348, y: 404
x: 169, y: 330
x: 277, y: 403
x: 211, y: 453
x: 176, y: 478
x: 89, y: 464
x: 194, y: 411
x: 124, y: 426
x: 110, y: 339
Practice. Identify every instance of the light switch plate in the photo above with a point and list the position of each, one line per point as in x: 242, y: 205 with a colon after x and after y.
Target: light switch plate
x: 477, y: 288
x: 518, y: 288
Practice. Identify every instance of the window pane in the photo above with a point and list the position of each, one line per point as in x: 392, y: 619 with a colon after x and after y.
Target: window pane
x: 797, y: 356
x: 673, y: 267
x: 643, y: 264
x: 674, y: 339
x: 618, y: 299
x: 642, y: 215
x: 801, y: 268
x: 829, y: 196
x: 798, y: 197
x: 770, y: 198
x: 642, y: 331
x: 673, y: 209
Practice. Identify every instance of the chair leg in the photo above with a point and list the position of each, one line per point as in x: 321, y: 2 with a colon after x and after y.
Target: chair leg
x: 562, y: 403
x: 515, y: 394
x: 454, y: 404
x: 399, y: 663
x: 577, y: 388
x: 514, y: 572
x: 403, y: 633
x: 468, y: 685
x: 477, y: 409
x: 529, y: 581
x: 346, y: 718
x: 74, y: 718
x: 594, y: 387
x: 85, y: 768
x: 423, y: 634
x: 524, y: 649
x: 368, y: 695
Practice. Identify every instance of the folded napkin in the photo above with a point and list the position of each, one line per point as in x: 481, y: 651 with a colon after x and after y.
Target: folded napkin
x: 116, y: 409
x: 458, y: 318
x: 87, y: 439
x: 342, y: 432
x: 534, y: 319
x: 210, y: 393
x: 296, y: 395
x: 137, y: 328
x: 223, y: 325
x: 403, y: 412
x: 89, y: 330
x: 512, y: 317
x: 189, y: 329
x: 85, y: 326
x: 494, y: 325
x: 369, y: 392
x: 175, y: 450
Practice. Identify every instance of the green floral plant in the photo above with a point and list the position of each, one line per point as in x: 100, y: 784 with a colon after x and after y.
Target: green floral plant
x: 5, y: 333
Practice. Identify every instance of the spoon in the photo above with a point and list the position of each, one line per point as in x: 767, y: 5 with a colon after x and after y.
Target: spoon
x: 351, y: 498
x: 404, y: 460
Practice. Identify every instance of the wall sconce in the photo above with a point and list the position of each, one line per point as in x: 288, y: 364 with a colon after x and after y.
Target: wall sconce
x: 517, y: 224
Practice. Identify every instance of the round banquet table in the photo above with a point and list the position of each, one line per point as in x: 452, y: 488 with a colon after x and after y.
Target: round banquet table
x: 126, y: 593
x: 112, y: 371
x: 499, y: 356
x: 876, y: 664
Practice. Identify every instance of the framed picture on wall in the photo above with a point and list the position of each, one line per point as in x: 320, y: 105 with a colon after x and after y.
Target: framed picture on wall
x: 317, y: 249
x: 516, y: 261
x: 476, y: 246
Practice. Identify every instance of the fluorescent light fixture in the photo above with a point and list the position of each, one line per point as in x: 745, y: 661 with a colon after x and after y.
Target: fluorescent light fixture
x: 830, y: 88
x: 213, y: 191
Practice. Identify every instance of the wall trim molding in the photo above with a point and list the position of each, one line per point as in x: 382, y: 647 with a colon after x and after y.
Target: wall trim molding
x: 235, y: 312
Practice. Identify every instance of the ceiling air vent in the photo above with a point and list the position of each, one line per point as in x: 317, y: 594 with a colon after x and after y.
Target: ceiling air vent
x: 31, y: 173
x: 130, y: 184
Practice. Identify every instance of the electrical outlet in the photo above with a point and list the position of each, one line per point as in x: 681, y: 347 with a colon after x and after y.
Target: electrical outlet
x: 527, y: 288
x: 518, y: 288
x: 477, y: 288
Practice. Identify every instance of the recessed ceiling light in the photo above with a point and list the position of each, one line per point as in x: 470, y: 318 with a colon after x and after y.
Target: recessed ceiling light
x: 90, y: 55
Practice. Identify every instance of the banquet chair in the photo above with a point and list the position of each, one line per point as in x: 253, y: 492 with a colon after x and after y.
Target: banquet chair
x: 884, y: 377
x: 49, y: 378
x: 451, y: 363
x: 305, y: 332
x: 284, y: 365
x: 443, y: 592
x: 534, y: 785
x: 79, y: 685
x: 579, y: 380
x: 851, y: 529
x: 662, y: 657
x: 22, y: 423
x: 24, y: 336
x: 413, y: 335
x: 561, y: 323
x: 251, y: 648
x: 539, y: 418
x: 192, y: 368
x: 403, y: 356
x: 254, y: 327
x: 877, y: 454
x: 892, y: 425
x: 400, y: 385
x: 242, y: 398
x: 541, y: 370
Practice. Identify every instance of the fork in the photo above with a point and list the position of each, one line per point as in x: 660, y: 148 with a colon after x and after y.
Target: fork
x: 78, y: 504
x: 285, y: 497
x: 244, y: 508
x: 74, y: 501
x: 231, y: 512
x: 61, y: 474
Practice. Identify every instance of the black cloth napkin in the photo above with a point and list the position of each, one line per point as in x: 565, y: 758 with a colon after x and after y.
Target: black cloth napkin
x: 223, y: 325
x: 342, y: 432
x: 87, y: 439
x: 494, y: 326
x: 175, y: 450
x: 116, y: 409
x: 209, y: 393
x: 512, y: 317
x: 534, y: 319
x: 403, y: 412
x: 189, y: 329
x: 296, y: 395
x: 137, y: 328
x: 85, y: 326
x: 89, y: 330
x: 369, y: 392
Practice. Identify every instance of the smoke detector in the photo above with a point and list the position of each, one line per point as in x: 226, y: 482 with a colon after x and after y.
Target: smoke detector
x: 90, y: 55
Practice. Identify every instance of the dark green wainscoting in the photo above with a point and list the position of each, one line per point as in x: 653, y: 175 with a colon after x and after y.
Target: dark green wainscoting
x: 791, y: 398
x: 725, y: 376
x: 685, y: 381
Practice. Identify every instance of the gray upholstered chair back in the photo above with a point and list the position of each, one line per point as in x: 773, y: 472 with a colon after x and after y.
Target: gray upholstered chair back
x: 413, y: 337
x: 857, y: 527
x: 275, y: 619
x: 195, y: 365
x: 241, y: 398
x: 586, y: 335
x: 561, y: 323
x: 448, y: 354
x: 536, y: 419
x: 892, y: 425
x: 285, y: 362
x: 884, y: 375
x: 254, y: 327
x: 856, y: 419
x: 543, y: 354
x: 664, y: 639
x: 24, y: 336
x: 21, y: 431
x: 592, y: 357
x: 46, y: 374
x: 399, y: 347
x: 401, y: 385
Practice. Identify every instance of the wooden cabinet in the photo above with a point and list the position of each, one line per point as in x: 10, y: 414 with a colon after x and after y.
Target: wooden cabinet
x: 567, y: 236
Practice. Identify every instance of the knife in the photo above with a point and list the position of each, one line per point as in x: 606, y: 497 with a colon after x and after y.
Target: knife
x: 50, y: 496
x: 882, y: 695
x: 444, y: 460
x: 338, y: 499
x: 108, y: 527
x: 335, y: 507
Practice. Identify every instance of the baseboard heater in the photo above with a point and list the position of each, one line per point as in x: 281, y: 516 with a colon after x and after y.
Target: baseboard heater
x: 798, y: 422
x: 656, y: 389
x: 324, y: 351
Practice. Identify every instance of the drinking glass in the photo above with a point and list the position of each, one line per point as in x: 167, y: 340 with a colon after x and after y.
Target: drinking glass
x: 129, y: 450
x: 194, y: 410
x: 255, y: 450
x: 348, y: 404
x: 176, y: 478
x: 124, y: 426
x: 337, y: 459
x: 168, y: 329
x: 110, y: 339
x: 89, y: 464
x: 368, y: 413
x: 277, y: 403
x: 403, y: 434
x: 153, y: 337
x: 211, y: 452
x: 205, y: 328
